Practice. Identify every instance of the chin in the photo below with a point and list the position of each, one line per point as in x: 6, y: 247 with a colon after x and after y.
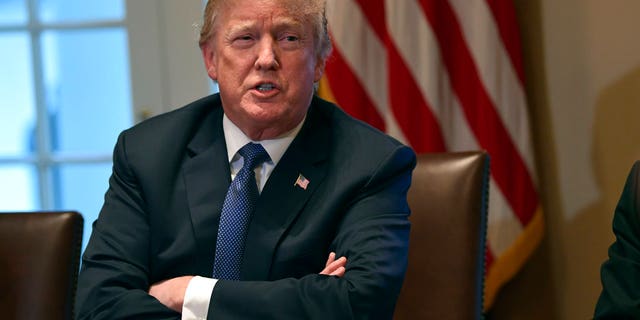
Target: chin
x: 265, y: 111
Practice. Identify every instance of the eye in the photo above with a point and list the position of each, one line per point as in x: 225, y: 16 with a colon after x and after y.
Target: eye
x: 289, y: 41
x: 288, y: 36
x: 242, y: 40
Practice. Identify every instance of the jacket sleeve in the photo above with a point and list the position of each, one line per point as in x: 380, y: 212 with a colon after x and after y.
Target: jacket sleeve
x: 620, y: 274
x: 114, y: 278
x: 373, y: 235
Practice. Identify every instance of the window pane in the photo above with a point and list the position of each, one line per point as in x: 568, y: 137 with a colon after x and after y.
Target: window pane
x: 13, y: 12
x: 18, y: 191
x: 81, y: 187
x: 87, y: 88
x: 80, y: 10
x: 17, y: 108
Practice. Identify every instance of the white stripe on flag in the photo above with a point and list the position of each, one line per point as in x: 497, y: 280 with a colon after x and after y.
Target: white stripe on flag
x: 503, y: 227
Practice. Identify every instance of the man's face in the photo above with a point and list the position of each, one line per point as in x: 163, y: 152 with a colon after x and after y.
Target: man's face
x: 264, y: 60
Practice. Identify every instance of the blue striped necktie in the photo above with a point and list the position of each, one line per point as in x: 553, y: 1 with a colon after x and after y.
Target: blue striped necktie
x: 236, y: 213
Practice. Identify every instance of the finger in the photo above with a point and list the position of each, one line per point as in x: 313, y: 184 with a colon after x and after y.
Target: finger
x: 338, y: 272
x: 341, y: 262
x: 335, y: 265
x: 332, y: 257
x: 329, y: 269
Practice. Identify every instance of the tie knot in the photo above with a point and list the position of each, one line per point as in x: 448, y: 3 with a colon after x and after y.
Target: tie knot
x: 253, y: 155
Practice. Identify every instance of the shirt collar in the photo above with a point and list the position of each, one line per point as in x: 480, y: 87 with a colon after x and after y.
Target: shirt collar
x: 236, y: 139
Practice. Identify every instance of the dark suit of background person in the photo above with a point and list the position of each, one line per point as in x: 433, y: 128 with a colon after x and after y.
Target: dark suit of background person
x: 161, y: 213
x: 620, y: 274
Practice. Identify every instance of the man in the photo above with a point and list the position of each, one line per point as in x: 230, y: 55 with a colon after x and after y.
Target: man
x: 160, y: 248
x: 620, y: 275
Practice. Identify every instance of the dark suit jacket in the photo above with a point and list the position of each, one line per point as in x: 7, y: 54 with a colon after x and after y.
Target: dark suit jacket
x: 160, y: 220
x: 620, y: 274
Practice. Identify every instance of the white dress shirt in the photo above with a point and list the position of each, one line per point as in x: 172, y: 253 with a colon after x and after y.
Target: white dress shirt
x: 198, y: 294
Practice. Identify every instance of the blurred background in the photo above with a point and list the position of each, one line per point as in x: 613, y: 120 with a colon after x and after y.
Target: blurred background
x: 74, y: 73
x: 583, y: 83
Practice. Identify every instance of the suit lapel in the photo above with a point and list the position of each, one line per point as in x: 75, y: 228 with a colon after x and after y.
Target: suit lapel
x: 207, y: 178
x: 281, y: 200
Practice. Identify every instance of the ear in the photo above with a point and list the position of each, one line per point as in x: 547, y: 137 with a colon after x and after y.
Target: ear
x: 319, y: 69
x: 210, y: 62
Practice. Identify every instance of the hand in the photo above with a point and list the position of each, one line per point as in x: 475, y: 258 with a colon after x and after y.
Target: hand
x: 171, y: 292
x: 334, y: 267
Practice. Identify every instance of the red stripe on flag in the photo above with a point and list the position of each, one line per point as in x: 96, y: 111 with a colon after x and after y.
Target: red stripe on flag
x: 373, y: 10
x: 508, y: 168
x: 349, y: 93
x: 505, y: 17
x: 410, y: 109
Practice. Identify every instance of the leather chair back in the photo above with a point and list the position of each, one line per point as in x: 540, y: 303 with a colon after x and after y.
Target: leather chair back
x: 39, y: 262
x: 448, y: 199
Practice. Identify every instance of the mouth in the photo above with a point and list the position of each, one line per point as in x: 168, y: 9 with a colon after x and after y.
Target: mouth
x: 265, y: 87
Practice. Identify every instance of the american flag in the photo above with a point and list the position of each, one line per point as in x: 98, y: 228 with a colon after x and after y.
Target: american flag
x: 446, y: 75
x: 302, y: 182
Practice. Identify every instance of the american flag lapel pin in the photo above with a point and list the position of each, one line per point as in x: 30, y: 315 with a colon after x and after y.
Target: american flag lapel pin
x: 302, y: 182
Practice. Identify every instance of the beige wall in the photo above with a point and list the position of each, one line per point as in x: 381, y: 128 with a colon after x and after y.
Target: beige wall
x: 583, y: 72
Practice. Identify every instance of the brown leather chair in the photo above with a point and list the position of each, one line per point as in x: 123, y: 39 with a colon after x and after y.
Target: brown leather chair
x: 448, y: 200
x: 39, y: 262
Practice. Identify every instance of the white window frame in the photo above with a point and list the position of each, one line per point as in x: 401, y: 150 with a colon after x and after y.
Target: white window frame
x: 166, y: 71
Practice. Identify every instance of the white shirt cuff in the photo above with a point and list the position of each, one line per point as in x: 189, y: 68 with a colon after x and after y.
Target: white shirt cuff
x: 197, y: 298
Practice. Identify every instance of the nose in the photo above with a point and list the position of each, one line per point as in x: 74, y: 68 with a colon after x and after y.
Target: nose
x: 267, y: 54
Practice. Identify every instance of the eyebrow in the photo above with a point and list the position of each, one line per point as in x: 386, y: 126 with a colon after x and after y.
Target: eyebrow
x: 280, y: 23
x: 238, y: 28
